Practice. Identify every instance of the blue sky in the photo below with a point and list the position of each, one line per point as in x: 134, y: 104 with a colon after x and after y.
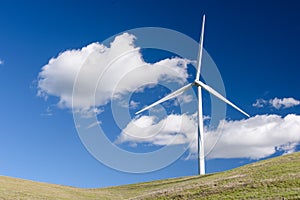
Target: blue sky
x: 254, y: 44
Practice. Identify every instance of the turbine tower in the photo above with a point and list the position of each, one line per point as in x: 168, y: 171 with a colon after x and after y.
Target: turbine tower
x: 199, y: 84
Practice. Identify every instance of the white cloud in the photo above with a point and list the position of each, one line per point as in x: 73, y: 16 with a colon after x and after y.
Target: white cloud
x: 132, y: 104
x: 254, y: 138
x: 174, y: 129
x: 288, y: 148
x: 1, y: 62
x: 118, y: 69
x: 277, y: 103
x: 284, y: 103
x: 260, y: 103
x: 89, y: 112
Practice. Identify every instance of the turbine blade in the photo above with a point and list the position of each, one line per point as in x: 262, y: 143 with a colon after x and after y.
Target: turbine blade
x: 215, y: 93
x: 170, y: 96
x: 199, y: 60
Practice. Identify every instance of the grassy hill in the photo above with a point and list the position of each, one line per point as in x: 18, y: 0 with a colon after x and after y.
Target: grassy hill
x: 276, y: 178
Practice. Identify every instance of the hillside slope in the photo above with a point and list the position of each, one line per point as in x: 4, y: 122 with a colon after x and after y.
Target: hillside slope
x: 276, y: 178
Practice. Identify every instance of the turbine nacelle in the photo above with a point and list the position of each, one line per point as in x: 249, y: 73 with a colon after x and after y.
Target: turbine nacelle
x: 218, y: 95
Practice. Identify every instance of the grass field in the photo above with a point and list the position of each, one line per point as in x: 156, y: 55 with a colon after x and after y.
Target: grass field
x: 276, y: 178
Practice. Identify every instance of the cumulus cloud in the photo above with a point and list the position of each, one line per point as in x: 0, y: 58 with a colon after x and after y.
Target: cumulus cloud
x: 172, y: 130
x: 260, y: 103
x: 256, y: 137
x: 253, y: 138
x: 104, y: 73
x: 284, y: 103
x: 277, y: 103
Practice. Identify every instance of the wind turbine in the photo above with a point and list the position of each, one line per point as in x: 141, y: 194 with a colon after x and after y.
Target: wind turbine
x: 199, y: 84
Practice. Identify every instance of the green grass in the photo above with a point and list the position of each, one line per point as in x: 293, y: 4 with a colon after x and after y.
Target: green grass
x: 277, y: 178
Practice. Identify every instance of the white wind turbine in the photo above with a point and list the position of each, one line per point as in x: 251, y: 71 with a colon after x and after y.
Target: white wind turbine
x: 199, y: 84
